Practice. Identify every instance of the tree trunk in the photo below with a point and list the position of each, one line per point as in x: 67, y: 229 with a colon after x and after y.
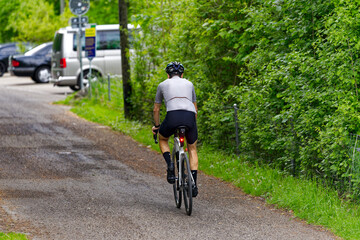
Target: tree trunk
x: 125, y: 65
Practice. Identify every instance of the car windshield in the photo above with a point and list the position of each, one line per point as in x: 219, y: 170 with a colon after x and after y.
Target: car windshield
x: 35, y: 50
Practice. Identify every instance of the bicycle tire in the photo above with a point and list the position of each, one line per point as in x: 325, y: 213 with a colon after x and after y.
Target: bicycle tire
x: 176, y: 187
x: 187, y: 185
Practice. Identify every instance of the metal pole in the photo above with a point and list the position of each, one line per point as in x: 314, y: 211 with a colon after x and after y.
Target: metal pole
x: 80, y: 57
x: 90, y: 77
x: 236, y: 128
x: 62, y: 6
x: 109, y: 88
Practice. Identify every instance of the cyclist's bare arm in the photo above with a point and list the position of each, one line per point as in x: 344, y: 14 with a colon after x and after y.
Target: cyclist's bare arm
x: 157, y: 114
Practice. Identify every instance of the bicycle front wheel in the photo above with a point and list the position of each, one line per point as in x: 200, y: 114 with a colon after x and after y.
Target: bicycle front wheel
x: 176, y: 185
x: 187, y: 184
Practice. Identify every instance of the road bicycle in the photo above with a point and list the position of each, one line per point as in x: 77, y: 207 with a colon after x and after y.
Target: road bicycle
x: 183, y: 178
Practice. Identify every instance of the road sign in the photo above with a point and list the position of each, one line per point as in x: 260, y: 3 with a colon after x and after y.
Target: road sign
x: 77, y: 22
x: 90, y: 42
x: 79, y: 7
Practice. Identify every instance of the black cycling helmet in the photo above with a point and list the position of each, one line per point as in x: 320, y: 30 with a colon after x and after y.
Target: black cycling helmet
x: 174, y: 68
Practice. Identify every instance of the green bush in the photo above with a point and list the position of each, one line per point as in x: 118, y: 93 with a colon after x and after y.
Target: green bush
x: 290, y: 66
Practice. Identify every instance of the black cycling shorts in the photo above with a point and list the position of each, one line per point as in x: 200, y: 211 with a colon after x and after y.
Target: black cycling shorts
x: 177, y: 118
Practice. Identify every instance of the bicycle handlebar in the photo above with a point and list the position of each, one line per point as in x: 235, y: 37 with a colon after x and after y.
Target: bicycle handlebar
x: 155, y: 138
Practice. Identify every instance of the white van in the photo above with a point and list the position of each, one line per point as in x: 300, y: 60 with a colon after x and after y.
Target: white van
x: 65, y: 66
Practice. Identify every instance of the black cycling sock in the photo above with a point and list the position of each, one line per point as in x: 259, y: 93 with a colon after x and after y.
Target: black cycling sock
x: 194, y: 174
x: 167, y: 158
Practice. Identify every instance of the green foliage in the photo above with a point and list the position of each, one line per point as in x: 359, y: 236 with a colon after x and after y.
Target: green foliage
x: 12, y: 236
x: 37, y: 20
x: 26, y: 19
x: 291, y: 67
x: 30, y: 21
x: 7, y: 7
x: 103, y: 12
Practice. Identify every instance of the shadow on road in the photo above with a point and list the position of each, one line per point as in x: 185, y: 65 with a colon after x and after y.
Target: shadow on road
x: 23, y: 84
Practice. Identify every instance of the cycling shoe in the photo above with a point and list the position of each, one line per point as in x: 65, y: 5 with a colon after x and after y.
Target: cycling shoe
x: 171, y: 173
x: 195, y: 190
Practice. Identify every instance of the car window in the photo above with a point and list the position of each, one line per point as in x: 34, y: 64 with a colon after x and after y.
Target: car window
x: 105, y: 40
x: 39, y: 50
x: 108, y: 40
x: 46, y: 50
x: 57, y: 42
x: 75, y: 41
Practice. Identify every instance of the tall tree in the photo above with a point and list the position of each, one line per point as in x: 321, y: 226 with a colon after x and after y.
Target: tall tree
x: 124, y: 45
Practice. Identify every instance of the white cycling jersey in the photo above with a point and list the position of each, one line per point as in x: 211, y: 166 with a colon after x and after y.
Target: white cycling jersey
x: 177, y: 93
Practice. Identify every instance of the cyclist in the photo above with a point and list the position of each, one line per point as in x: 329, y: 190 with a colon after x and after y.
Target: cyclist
x: 179, y: 97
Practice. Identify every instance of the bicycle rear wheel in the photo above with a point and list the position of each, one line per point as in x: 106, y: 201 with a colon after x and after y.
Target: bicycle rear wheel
x: 187, y: 184
x: 176, y: 187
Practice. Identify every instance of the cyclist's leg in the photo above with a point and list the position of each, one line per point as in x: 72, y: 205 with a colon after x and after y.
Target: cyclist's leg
x: 165, y: 149
x: 191, y: 138
x: 164, y: 134
x: 193, y: 156
x: 164, y: 144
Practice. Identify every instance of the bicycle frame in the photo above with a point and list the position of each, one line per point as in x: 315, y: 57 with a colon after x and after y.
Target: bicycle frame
x: 184, y: 180
x: 179, y: 147
x: 180, y: 150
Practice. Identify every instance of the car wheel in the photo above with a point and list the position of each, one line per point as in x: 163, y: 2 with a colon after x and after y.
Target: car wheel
x: 75, y: 88
x: 42, y: 74
x: 2, y: 69
x: 95, y: 76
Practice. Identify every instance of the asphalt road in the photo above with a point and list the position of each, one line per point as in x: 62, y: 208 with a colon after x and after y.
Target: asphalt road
x: 62, y: 177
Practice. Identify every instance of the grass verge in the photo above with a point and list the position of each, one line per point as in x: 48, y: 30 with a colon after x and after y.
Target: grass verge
x: 307, y: 199
x: 12, y: 236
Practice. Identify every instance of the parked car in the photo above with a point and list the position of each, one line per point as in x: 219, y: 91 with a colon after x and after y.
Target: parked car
x: 10, y: 49
x: 65, y: 66
x: 35, y: 63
